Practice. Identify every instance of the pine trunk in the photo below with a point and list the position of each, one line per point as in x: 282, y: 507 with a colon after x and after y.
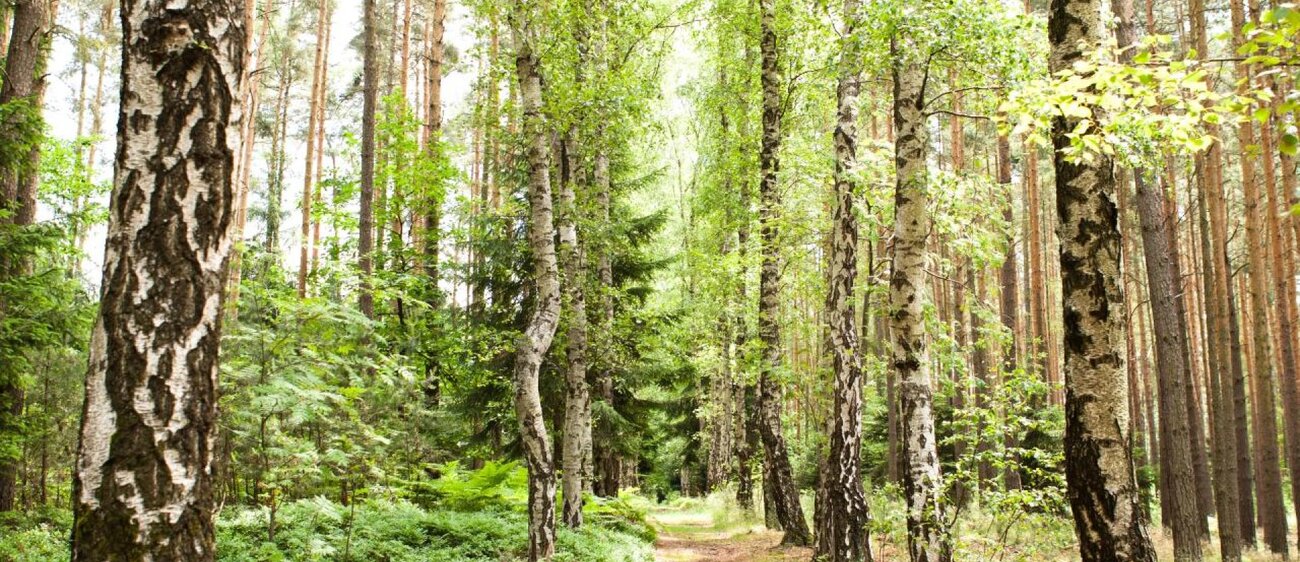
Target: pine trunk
x: 433, y: 132
x: 1008, y: 276
x: 370, y: 92
x: 1163, y: 278
x: 314, y: 113
x: 23, y: 83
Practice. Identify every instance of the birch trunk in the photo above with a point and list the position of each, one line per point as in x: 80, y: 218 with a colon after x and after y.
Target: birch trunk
x: 784, y: 492
x: 577, y: 399
x: 927, y: 537
x: 842, y: 529
x: 536, y: 339
x: 143, y: 484
x: 1099, y: 469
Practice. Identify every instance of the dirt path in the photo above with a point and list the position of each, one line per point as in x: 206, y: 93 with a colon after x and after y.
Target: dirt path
x: 693, y: 537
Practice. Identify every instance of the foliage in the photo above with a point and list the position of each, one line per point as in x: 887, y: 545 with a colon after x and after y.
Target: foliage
x: 36, y: 536
x: 318, y: 529
x: 497, y: 485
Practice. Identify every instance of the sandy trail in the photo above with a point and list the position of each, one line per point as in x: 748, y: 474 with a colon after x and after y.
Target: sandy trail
x: 692, y: 537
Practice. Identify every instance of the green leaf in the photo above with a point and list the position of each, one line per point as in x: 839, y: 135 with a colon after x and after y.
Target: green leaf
x: 1288, y: 144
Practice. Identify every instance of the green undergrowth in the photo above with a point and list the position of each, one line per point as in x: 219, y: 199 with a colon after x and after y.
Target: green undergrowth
x: 462, y: 516
x: 399, y: 531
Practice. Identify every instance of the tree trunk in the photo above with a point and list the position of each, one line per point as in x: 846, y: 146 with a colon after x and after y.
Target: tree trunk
x: 1235, y: 377
x: 278, y: 157
x: 1163, y: 275
x: 785, y: 494
x: 1099, y: 469
x: 1197, y: 404
x: 250, y: 97
x: 605, y: 457
x: 23, y: 83
x: 577, y: 409
x: 370, y: 91
x: 1008, y: 303
x: 1160, y: 249
x: 842, y: 528
x: 577, y: 401
x: 536, y: 339
x: 1283, y: 263
x: 927, y: 537
x: 143, y: 486
x: 314, y: 114
x: 429, y: 225
x: 433, y: 130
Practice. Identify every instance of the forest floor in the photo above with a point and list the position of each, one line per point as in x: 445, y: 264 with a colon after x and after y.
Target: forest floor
x: 693, y: 535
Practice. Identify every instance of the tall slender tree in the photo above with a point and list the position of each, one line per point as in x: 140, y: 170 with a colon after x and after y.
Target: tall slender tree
x: 22, y: 91
x: 577, y: 398
x: 144, y: 482
x: 315, y: 112
x: 842, y: 528
x: 927, y: 537
x: 1098, y: 466
x: 1160, y: 249
x: 369, y: 104
x: 536, y: 339
x: 783, y: 491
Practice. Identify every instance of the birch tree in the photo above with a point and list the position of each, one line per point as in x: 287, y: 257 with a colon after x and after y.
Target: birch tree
x: 144, y: 482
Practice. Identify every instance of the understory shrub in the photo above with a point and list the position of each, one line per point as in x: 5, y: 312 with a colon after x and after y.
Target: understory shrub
x: 398, y: 531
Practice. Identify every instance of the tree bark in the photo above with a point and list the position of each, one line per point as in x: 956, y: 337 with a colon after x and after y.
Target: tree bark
x: 1160, y: 249
x: 577, y: 401
x: 1008, y: 276
x: 785, y: 494
x: 928, y: 539
x: 370, y: 91
x: 842, y: 528
x: 22, y: 90
x: 1098, y: 466
x: 433, y: 130
x: 536, y: 339
x: 143, y: 485
x: 278, y: 158
x: 1265, y: 413
x: 1163, y: 275
x: 251, y: 97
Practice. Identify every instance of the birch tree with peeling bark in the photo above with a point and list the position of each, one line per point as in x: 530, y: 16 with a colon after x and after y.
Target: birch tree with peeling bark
x: 927, y: 536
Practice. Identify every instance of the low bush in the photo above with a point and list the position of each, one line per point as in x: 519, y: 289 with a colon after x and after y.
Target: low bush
x: 386, y: 531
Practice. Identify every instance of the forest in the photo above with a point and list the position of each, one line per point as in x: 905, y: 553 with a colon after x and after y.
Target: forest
x: 649, y: 280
